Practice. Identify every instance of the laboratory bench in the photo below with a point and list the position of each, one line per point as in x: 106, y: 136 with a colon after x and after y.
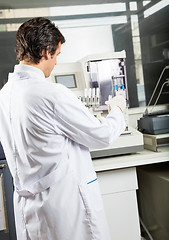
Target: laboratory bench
x: 131, y: 160
x: 118, y: 179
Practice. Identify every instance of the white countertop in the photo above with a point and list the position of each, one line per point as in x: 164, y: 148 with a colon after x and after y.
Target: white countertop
x: 131, y: 160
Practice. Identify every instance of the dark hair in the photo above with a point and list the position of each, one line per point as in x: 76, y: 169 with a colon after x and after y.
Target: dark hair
x: 34, y: 37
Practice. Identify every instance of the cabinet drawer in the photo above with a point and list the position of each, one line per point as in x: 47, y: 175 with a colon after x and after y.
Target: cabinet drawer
x: 118, y: 180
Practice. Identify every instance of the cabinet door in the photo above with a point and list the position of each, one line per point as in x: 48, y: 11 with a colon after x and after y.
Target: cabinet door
x: 118, y: 188
x: 122, y: 215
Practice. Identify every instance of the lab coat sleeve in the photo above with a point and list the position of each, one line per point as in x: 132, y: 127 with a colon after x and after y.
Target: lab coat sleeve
x: 75, y: 121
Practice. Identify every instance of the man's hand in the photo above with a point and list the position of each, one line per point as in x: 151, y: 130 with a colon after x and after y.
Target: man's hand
x: 118, y: 101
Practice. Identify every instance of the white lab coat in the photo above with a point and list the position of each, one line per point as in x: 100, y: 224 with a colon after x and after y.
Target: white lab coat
x: 46, y: 133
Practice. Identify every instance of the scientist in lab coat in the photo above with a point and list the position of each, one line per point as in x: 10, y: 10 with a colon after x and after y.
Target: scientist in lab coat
x: 46, y: 133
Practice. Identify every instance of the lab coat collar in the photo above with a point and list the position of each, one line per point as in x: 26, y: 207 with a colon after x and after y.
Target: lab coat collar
x: 23, y: 71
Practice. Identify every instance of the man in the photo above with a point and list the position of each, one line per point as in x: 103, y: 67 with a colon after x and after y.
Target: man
x: 46, y: 133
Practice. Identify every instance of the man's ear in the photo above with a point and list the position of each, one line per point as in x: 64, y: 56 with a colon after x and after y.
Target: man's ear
x: 46, y: 54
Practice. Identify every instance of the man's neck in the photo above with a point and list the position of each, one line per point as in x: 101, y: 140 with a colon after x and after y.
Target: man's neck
x: 39, y: 65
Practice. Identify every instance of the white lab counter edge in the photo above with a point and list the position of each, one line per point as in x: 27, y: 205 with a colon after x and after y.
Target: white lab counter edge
x: 131, y: 160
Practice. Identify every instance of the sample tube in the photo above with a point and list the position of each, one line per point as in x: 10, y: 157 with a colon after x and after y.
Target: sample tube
x: 90, y: 95
x: 109, y: 107
x: 93, y: 95
x: 85, y: 96
x: 115, y: 87
x: 97, y: 95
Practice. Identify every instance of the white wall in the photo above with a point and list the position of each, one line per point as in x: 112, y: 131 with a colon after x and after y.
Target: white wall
x: 84, y: 41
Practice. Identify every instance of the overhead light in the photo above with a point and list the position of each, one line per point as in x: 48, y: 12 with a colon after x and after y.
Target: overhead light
x: 156, y: 8
x: 91, y: 22
x: 133, y: 6
x: 87, y: 9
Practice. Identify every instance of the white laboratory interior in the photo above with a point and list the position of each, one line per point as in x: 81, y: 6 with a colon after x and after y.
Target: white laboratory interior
x: 112, y: 48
